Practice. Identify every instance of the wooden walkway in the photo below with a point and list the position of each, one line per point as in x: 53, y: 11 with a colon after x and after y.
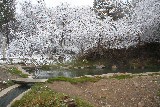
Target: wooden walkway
x: 28, y: 80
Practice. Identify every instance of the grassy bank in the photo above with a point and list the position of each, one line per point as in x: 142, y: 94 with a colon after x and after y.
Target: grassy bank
x: 41, y: 96
x: 74, y: 80
x: 119, y: 77
x: 15, y: 71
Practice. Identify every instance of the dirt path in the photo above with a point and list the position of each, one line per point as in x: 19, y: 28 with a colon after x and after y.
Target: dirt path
x: 134, y: 92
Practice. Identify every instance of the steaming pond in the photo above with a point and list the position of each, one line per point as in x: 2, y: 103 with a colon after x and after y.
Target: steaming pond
x: 82, y: 72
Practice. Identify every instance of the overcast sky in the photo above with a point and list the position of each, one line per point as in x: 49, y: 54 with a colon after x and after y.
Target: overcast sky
x: 53, y: 3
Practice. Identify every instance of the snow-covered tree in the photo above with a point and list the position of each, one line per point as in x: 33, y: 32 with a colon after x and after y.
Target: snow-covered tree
x: 146, y: 18
x: 114, y: 8
x: 64, y: 30
x: 35, y: 30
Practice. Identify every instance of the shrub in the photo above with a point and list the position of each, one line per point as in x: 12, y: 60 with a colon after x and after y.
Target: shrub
x: 10, y: 83
x: 45, y: 67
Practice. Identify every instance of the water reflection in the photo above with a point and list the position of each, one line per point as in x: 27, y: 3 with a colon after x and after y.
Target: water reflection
x: 82, y: 72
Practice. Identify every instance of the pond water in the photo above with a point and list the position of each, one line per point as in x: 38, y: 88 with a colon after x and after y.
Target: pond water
x: 81, y: 72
